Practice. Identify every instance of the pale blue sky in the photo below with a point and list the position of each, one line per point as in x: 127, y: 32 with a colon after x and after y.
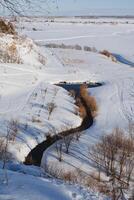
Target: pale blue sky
x: 82, y: 6
x: 78, y: 7
x: 69, y: 4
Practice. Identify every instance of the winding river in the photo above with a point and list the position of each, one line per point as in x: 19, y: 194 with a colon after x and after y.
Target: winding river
x: 35, y: 155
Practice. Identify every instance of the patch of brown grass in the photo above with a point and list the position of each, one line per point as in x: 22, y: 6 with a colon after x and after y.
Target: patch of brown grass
x: 90, y: 100
x: 82, y: 111
x: 7, y: 27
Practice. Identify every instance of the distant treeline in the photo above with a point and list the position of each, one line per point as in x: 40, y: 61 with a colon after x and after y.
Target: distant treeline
x: 75, y: 47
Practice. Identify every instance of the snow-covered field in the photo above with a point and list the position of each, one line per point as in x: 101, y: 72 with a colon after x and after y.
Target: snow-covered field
x: 28, y: 187
x: 26, y: 91
x: 115, y: 97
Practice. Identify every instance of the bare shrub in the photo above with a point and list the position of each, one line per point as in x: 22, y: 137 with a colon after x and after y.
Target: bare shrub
x: 86, y: 48
x: 50, y: 107
x: 63, y: 46
x: 78, y: 47
x: 76, y: 176
x: 2, y: 148
x: 41, y: 59
x: 105, y: 53
x: 70, y: 176
x: 53, y: 170
x: 94, y: 49
x: 58, y: 147
x: 13, y: 128
x: 109, y: 55
x: 67, y: 141
x: 77, y: 135
x: 113, y: 155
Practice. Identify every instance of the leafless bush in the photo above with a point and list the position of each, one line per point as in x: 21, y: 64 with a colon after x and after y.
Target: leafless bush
x: 105, y: 53
x: 58, y: 172
x: 41, y: 59
x: 86, y: 48
x: 109, y: 55
x: 4, y: 143
x: 13, y: 129
x: 58, y: 147
x: 77, y: 135
x: 2, y: 148
x: 78, y: 47
x: 114, y: 156
x: 70, y: 176
x: 63, y: 46
x: 53, y: 170
x: 50, y: 107
x: 67, y: 141
x: 94, y: 49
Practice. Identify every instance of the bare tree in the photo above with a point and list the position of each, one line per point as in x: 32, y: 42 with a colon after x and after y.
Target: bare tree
x: 58, y: 146
x: 50, y: 107
x: 67, y: 141
x: 13, y: 129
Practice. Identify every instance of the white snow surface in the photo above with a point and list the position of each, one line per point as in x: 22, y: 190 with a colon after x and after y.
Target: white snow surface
x: 28, y: 187
x: 23, y: 96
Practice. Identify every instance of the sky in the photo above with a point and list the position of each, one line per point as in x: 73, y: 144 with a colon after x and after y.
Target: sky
x: 94, y: 6
x: 79, y: 7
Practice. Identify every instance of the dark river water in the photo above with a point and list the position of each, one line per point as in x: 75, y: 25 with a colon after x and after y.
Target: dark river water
x: 76, y: 86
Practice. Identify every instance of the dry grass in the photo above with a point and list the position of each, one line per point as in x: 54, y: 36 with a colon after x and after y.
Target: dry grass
x: 82, y: 111
x: 78, y: 176
x: 7, y: 27
x: 9, y: 53
x: 90, y: 100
